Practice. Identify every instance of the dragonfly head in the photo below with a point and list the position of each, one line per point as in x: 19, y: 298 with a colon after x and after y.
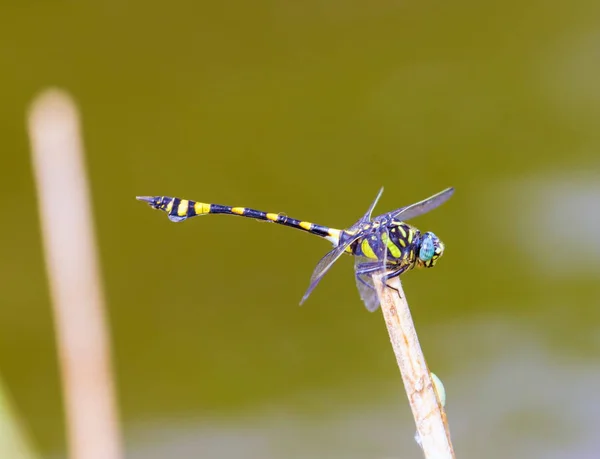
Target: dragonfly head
x: 430, y: 249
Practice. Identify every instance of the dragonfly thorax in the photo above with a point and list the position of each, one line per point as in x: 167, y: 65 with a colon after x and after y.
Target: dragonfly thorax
x: 393, y: 241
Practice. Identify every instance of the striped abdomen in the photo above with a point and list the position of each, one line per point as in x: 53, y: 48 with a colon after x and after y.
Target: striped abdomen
x: 179, y: 210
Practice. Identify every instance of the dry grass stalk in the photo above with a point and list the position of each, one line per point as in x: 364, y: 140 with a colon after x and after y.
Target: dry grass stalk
x: 429, y: 414
x: 75, y: 286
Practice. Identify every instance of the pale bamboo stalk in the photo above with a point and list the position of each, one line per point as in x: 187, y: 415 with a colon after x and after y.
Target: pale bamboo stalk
x: 428, y: 412
x: 73, y: 273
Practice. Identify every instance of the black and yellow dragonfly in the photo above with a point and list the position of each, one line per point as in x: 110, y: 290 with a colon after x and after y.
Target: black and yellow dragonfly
x: 384, y: 245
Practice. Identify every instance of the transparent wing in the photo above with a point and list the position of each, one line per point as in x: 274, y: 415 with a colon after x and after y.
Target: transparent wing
x: 366, y: 289
x: 365, y: 269
x: 331, y: 257
x: 364, y: 281
x: 323, y: 266
x: 367, y: 216
x: 424, y: 206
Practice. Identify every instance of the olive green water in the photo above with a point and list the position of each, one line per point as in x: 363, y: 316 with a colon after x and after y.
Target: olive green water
x: 308, y: 108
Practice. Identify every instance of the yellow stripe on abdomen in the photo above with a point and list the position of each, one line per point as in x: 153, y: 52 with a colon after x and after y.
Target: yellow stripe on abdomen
x: 306, y: 225
x: 238, y: 210
x: 182, y: 208
x: 201, y: 208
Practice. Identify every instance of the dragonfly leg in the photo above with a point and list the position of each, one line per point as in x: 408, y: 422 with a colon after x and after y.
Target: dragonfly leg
x: 372, y: 267
x: 393, y: 274
x: 367, y: 269
x: 362, y: 281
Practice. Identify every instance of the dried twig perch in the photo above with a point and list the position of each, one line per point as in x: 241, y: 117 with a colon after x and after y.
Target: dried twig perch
x: 75, y: 287
x: 430, y: 418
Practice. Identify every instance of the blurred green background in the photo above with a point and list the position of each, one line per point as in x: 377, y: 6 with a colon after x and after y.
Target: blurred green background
x: 308, y: 108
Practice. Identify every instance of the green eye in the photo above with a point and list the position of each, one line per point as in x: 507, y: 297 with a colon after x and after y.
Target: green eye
x: 427, y: 248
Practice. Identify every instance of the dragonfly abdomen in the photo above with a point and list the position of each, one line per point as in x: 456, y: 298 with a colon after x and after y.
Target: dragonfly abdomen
x: 179, y: 210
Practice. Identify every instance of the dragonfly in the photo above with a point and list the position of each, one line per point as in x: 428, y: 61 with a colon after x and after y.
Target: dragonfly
x: 383, y: 246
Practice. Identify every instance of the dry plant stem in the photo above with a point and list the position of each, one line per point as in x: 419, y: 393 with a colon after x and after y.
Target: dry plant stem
x: 430, y: 418
x: 75, y: 286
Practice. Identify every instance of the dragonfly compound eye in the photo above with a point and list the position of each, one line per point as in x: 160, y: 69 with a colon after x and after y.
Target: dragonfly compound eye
x: 427, y: 247
x: 431, y: 249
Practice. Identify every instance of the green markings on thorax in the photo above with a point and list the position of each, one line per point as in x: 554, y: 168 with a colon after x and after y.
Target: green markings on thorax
x: 397, y: 241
